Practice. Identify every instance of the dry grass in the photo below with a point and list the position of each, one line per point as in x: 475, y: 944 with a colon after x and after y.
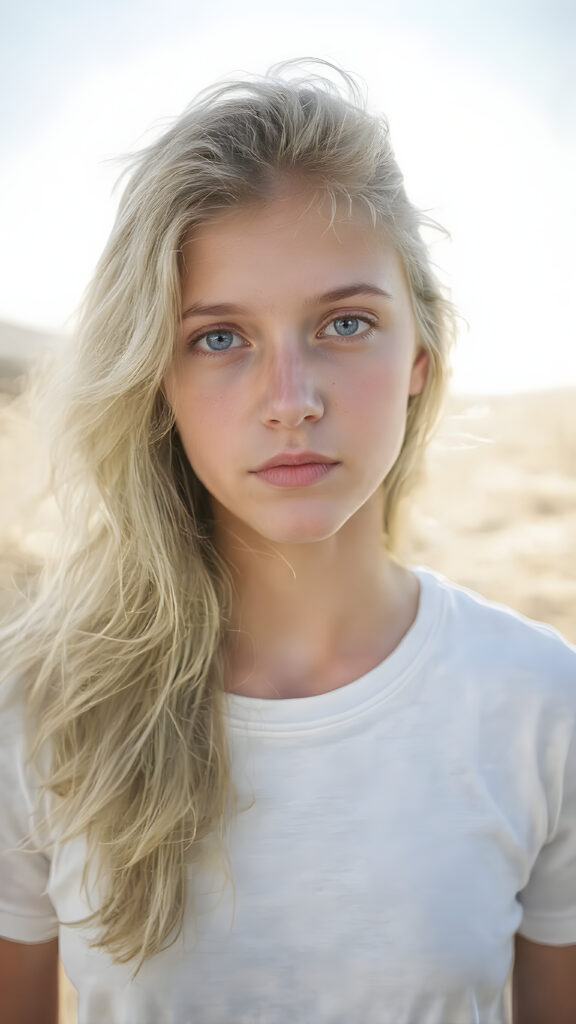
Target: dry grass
x: 497, y: 511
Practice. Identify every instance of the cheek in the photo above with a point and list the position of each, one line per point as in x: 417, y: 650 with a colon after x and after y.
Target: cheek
x: 380, y: 395
x: 206, y: 428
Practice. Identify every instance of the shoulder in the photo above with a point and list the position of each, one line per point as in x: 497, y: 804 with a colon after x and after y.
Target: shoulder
x: 13, y: 733
x: 507, y: 650
x: 16, y: 727
x: 12, y: 712
x: 19, y: 773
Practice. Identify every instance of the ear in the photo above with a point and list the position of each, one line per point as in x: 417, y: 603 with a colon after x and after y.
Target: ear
x: 419, y: 374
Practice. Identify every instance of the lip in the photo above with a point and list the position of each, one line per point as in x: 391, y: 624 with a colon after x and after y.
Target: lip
x: 296, y: 476
x: 296, y: 459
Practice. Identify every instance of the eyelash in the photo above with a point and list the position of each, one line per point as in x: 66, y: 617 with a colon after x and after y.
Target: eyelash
x: 192, y: 343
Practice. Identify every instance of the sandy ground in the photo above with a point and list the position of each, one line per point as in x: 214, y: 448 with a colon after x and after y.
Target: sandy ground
x: 496, y: 511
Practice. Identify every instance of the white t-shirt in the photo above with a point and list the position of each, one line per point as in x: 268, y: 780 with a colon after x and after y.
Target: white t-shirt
x: 404, y: 828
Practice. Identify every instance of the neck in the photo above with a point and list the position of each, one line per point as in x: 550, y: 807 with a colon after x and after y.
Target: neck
x: 308, y: 615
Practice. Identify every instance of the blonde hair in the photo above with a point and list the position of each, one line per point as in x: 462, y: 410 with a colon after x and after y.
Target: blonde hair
x: 119, y: 648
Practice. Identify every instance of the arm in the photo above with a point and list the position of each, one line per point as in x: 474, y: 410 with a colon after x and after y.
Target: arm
x: 543, y: 983
x: 29, y: 982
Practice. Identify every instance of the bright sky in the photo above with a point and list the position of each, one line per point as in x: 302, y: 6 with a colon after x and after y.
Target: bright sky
x: 481, y: 99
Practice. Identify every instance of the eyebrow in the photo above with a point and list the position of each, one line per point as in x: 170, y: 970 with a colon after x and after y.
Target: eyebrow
x: 225, y: 308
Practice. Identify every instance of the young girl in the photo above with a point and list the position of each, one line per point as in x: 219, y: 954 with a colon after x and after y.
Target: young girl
x: 255, y: 769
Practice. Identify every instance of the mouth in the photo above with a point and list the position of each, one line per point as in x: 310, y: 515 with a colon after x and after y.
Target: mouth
x: 289, y: 459
x: 299, y: 475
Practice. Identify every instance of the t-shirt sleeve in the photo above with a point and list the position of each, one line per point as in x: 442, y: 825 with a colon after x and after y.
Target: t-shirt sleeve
x: 549, y: 898
x: 26, y: 911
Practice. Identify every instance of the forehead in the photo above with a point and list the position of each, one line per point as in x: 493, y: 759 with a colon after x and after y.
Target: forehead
x: 289, y: 238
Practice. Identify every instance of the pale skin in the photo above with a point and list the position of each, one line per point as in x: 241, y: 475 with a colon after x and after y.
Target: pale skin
x: 319, y: 600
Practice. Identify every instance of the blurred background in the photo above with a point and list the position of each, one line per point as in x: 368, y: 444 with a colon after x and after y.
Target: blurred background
x: 481, y: 100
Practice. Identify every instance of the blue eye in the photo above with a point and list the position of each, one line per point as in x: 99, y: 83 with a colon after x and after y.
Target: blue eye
x: 350, y: 324
x: 218, y: 340
x: 221, y: 339
x: 347, y: 326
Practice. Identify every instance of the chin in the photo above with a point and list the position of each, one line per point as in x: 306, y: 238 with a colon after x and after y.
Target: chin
x: 287, y: 525
x: 299, y: 529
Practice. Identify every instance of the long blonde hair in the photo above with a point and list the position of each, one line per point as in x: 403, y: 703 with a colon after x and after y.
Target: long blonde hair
x: 119, y: 648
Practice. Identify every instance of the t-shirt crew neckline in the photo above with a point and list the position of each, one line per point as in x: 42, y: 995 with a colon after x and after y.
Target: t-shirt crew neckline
x: 259, y: 714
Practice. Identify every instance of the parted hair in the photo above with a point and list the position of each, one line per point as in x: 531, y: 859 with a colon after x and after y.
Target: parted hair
x: 119, y: 645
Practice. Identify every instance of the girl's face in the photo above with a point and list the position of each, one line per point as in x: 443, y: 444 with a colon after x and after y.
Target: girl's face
x: 275, y: 363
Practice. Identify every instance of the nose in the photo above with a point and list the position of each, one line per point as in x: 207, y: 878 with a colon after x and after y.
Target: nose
x: 291, y: 388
